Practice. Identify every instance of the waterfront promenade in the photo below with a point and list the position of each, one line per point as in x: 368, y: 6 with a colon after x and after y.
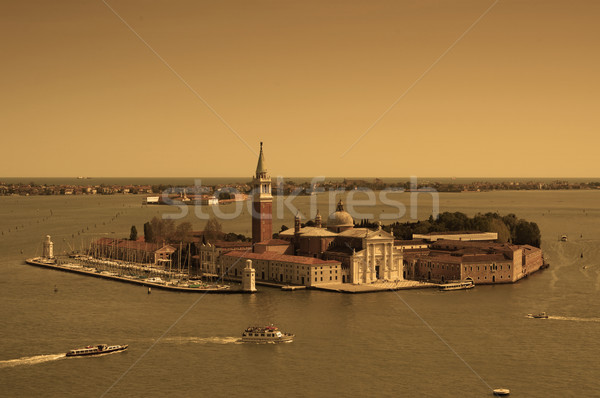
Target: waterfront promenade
x: 379, y: 286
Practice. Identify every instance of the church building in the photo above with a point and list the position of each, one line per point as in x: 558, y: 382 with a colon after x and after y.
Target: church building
x: 346, y: 254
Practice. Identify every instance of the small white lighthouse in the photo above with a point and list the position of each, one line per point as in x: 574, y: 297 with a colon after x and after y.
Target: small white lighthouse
x: 48, y: 250
x: 248, y: 277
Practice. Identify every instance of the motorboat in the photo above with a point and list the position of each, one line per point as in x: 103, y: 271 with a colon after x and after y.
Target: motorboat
x: 541, y: 315
x: 266, y: 334
x: 501, y: 392
x: 96, y: 350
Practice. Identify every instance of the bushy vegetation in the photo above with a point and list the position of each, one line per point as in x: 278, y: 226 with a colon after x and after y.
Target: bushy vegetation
x: 160, y: 230
x: 509, y: 228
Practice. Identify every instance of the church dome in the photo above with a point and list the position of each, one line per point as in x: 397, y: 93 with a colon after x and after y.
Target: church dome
x: 340, y: 219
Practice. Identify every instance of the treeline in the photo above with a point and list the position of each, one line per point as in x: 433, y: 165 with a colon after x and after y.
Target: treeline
x: 510, y: 228
x: 160, y: 230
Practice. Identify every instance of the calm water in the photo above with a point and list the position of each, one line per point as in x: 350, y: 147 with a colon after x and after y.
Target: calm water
x: 347, y: 345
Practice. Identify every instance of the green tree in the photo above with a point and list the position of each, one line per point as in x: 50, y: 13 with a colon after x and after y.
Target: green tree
x: 527, y: 233
x: 498, y: 226
x: 133, y: 233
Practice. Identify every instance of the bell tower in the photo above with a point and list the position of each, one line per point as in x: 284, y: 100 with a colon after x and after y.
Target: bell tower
x: 262, y: 206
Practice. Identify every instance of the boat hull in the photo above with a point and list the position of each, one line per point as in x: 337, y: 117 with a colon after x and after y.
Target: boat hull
x: 283, y: 339
x: 456, y: 286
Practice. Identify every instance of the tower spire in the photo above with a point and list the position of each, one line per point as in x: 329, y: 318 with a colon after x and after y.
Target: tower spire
x: 261, y: 167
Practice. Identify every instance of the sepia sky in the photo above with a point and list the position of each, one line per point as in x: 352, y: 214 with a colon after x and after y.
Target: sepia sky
x: 434, y: 88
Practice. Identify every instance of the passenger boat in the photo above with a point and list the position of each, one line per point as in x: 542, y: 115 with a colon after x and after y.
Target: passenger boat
x: 542, y: 315
x: 457, y: 286
x: 96, y: 350
x: 267, y: 334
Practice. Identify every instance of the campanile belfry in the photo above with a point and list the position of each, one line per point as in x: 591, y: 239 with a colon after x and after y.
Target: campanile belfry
x: 262, y: 206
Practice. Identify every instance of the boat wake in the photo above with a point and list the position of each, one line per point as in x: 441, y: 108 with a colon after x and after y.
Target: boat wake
x: 203, y: 340
x: 31, y: 360
x: 573, y: 318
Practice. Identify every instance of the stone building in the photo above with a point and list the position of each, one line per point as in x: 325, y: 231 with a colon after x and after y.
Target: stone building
x: 283, y: 268
x: 481, y: 262
x: 366, y: 255
x: 206, y: 262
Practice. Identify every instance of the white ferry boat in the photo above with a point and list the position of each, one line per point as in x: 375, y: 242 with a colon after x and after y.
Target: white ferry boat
x: 96, y: 350
x: 457, y: 286
x: 267, y: 334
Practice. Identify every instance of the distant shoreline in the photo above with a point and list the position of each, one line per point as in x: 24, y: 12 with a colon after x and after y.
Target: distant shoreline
x: 174, y: 186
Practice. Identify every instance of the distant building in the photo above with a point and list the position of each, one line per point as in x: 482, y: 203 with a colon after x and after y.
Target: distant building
x: 152, y: 200
x: 208, y: 200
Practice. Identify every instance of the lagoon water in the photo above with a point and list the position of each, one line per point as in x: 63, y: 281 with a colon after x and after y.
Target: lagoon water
x: 420, y: 343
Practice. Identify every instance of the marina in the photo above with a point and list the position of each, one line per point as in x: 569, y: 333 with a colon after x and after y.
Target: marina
x: 155, y: 282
